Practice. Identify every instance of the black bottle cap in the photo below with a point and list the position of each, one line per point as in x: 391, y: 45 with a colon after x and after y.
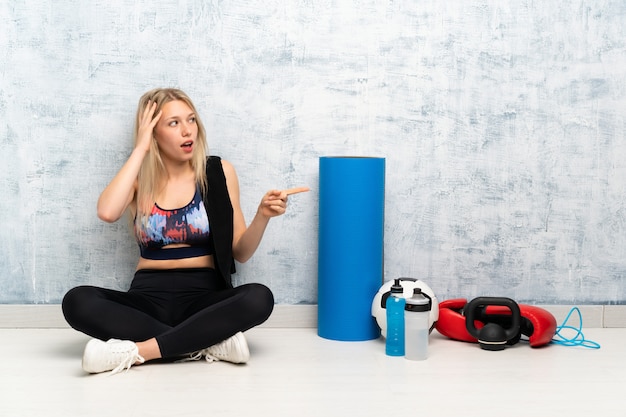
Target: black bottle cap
x: 396, y: 287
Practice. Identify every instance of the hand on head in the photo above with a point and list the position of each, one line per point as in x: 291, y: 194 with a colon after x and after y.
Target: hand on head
x: 146, y: 126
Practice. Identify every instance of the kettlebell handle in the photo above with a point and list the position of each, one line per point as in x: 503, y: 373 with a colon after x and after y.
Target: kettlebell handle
x: 475, y: 306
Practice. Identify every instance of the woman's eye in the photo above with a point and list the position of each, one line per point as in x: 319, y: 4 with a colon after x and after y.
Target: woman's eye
x: 192, y: 120
x: 173, y: 123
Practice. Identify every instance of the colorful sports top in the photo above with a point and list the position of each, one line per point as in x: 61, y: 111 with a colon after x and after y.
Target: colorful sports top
x: 187, y: 225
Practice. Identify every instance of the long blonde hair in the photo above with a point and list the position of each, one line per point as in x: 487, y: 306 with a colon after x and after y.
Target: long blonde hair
x: 152, y: 171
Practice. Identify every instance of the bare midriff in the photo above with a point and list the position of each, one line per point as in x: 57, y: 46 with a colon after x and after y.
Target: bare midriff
x: 205, y: 261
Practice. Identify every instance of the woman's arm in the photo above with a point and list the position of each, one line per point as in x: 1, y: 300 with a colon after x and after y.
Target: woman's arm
x: 116, y: 197
x: 246, y: 240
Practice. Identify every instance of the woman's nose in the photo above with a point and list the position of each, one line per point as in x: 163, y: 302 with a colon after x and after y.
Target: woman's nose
x: 186, y: 129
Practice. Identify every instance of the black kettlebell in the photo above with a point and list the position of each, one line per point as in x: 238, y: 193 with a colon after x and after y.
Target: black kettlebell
x: 492, y: 336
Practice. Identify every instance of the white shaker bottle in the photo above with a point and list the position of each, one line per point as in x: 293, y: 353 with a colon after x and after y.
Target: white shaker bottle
x: 416, y: 316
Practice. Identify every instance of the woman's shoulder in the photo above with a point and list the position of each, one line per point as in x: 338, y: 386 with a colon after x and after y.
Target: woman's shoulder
x: 226, y: 165
x: 215, y: 162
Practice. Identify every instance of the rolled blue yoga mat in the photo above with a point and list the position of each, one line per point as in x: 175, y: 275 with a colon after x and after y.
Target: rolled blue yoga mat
x: 350, y: 259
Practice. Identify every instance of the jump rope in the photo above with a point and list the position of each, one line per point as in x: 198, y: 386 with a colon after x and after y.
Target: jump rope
x: 577, y: 338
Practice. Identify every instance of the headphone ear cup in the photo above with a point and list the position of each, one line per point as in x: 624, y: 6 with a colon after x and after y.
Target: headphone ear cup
x: 451, y: 322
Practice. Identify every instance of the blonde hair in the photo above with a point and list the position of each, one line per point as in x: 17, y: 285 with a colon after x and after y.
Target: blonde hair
x: 152, y: 171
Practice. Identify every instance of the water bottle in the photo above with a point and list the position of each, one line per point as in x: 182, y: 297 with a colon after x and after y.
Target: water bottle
x: 416, y: 316
x: 394, y: 341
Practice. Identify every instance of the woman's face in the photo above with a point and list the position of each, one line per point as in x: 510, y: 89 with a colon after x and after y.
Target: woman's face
x: 176, y: 131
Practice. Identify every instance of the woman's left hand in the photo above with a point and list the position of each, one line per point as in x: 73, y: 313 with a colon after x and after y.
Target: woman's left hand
x: 274, y: 202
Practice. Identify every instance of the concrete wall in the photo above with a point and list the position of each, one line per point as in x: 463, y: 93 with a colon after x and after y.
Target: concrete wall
x: 502, y: 123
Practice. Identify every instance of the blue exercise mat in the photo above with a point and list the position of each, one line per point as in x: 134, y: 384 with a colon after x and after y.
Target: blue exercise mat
x: 350, y: 264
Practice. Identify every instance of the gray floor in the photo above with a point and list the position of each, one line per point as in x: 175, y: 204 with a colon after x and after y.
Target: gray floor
x: 294, y: 372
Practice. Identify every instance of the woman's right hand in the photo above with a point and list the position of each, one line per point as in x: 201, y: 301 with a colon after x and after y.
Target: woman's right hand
x: 146, y: 126
x: 120, y: 192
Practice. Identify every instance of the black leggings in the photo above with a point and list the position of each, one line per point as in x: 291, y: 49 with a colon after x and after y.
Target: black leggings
x: 186, y: 310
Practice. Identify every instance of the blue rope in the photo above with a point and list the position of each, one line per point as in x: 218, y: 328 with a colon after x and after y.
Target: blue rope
x: 579, y: 337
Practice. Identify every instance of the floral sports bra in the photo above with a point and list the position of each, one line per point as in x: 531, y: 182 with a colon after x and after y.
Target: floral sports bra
x: 187, y: 225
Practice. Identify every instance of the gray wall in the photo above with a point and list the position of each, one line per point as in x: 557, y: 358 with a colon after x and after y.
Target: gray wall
x: 502, y: 123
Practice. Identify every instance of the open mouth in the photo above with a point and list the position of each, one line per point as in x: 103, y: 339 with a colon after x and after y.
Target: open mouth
x: 188, y: 144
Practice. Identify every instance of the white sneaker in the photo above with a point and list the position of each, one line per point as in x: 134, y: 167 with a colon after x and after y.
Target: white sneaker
x: 234, y: 349
x: 114, y: 355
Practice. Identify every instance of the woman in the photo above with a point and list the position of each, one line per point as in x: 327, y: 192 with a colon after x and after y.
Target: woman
x: 189, y: 225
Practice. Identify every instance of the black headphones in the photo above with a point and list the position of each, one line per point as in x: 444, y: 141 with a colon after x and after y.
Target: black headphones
x: 493, y: 335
